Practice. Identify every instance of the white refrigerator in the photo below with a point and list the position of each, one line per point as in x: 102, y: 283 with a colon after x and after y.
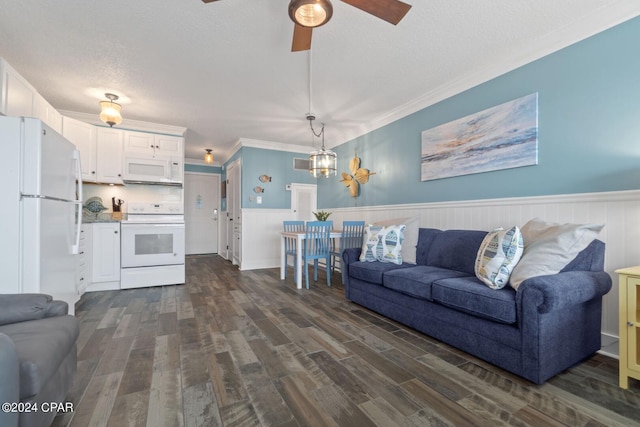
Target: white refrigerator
x: 41, y: 191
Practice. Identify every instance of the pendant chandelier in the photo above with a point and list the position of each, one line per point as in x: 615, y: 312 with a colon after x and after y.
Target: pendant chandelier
x: 322, y: 163
x: 110, y: 111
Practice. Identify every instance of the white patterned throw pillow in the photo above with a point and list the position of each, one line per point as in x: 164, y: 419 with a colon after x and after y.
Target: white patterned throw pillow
x: 410, y: 243
x: 372, y: 245
x: 499, y: 253
x: 392, y: 238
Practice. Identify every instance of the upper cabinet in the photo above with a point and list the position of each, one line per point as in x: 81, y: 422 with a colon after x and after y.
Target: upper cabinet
x: 45, y: 112
x: 19, y: 98
x: 83, y: 136
x: 100, y: 150
x: 109, y: 145
x: 153, y: 145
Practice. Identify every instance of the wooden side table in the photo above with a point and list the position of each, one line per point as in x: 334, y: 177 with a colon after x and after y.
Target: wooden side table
x: 629, y: 324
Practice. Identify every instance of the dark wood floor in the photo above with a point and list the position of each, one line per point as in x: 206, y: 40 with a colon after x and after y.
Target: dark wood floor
x: 234, y: 348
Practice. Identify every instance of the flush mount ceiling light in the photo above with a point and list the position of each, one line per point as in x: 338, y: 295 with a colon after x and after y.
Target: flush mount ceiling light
x: 110, y: 111
x: 310, y: 13
x: 208, y: 157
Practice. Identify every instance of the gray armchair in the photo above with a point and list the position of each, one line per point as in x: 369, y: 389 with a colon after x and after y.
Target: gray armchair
x: 37, y: 357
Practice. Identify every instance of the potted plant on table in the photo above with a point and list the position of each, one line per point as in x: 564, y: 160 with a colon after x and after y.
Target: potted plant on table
x: 322, y: 215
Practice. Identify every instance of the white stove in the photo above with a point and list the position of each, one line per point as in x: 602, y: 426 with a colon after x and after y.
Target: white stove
x: 152, y: 247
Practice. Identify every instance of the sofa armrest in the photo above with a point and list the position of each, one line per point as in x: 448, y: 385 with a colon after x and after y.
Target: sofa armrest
x: 9, y: 379
x: 556, y: 291
x: 349, y: 255
x: 16, y: 308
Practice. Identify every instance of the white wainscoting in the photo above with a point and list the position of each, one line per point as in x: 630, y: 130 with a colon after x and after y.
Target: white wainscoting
x: 619, y: 211
x: 261, y: 237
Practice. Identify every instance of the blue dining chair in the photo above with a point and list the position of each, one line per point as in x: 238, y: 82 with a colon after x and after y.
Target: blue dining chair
x: 351, y: 237
x: 290, y: 243
x: 317, y: 245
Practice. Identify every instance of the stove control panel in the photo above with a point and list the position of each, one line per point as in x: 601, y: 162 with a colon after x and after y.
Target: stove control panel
x: 156, y: 208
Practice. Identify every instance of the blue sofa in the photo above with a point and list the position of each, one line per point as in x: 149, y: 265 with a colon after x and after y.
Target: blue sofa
x: 551, y: 323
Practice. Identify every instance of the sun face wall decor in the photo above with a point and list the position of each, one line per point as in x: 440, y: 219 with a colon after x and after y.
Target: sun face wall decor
x: 358, y: 176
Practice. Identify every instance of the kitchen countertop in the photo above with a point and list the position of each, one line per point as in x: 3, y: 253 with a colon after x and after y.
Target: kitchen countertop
x: 101, y: 217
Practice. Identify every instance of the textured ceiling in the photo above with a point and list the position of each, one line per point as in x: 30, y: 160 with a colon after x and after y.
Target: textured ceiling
x: 224, y: 70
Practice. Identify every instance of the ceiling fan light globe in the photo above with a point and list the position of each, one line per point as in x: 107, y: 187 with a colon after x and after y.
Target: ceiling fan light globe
x: 310, y: 13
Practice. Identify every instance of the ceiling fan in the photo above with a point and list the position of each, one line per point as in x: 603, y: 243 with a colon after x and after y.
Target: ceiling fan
x: 308, y: 14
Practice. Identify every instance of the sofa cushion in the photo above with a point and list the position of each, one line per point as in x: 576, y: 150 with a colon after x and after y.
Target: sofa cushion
x: 425, y: 238
x: 499, y: 253
x: 456, y: 250
x: 549, y: 247
x: 470, y: 295
x: 416, y: 281
x: 372, y: 272
x: 41, y: 346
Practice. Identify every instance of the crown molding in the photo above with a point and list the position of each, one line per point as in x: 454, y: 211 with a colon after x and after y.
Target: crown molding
x: 267, y: 145
x: 127, y: 124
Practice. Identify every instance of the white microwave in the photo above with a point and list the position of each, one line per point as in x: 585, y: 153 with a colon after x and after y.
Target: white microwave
x: 145, y: 170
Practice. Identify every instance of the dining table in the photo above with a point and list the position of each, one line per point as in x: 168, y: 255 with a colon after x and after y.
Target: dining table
x: 299, y: 236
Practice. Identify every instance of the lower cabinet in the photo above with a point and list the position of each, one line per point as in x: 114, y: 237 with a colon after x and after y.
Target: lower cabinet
x: 102, y: 256
x: 83, y: 271
x: 629, y: 309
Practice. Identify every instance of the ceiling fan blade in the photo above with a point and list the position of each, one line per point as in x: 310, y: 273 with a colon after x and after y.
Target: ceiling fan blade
x: 208, y: 1
x: 301, y: 38
x: 391, y: 11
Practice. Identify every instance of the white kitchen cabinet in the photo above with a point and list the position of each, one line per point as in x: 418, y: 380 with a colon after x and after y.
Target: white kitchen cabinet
x: 109, y: 148
x: 83, y: 136
x: 18, y: 96
x: 168, y: 145
x: 83, y: 264
x: 105, y: 256
x: 139, y: 142
x: 100, y: 150
x: 45, y: 112
x: 153, y: 145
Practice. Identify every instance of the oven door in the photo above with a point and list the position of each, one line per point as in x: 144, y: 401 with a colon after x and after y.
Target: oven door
x: 147, y: 245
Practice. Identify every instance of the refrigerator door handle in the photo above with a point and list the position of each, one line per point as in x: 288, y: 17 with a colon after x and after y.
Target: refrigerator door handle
x: 75, y: 248
x: 76, y: 157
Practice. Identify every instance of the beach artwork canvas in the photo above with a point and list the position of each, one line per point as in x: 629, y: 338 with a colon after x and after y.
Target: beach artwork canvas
x: 501, y: 137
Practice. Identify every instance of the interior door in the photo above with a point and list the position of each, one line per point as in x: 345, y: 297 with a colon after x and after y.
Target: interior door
x: 201, y: 212
x: 304, y: 201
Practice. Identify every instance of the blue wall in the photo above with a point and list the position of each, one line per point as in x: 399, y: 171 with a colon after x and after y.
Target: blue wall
x: 279, y: 166
x: 589, y: 131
